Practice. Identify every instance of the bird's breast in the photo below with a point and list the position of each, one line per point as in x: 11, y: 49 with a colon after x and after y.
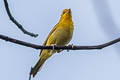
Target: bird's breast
x: 63, y: 35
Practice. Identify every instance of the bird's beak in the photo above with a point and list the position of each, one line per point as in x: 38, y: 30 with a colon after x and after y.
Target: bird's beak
x: 69, y: 10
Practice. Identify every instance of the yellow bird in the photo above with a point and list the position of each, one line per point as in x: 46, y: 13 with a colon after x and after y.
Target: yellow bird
x: 60, y: 35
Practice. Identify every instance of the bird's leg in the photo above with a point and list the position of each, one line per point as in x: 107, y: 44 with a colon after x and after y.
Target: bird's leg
x: 58, y: 51
x: 53, y: 46
x: 71, y: 45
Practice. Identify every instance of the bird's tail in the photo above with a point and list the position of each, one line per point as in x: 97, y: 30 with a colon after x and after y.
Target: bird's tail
x: 37, y: 67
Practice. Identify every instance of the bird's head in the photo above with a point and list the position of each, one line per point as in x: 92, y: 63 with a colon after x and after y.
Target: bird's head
x: 66, y: 15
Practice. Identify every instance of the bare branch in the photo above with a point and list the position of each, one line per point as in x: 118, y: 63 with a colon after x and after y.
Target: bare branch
x: 70, y: 47
x: 17, y: 23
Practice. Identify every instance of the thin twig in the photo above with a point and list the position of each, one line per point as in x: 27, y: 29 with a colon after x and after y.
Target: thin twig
x: 16, y: 22
x: 30, y: 75
x: 70, y: 47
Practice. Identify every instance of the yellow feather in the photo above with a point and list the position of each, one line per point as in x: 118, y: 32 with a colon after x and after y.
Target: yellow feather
x: 61, y: 34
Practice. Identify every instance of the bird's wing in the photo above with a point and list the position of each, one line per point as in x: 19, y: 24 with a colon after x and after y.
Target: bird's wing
x: 55, y: 27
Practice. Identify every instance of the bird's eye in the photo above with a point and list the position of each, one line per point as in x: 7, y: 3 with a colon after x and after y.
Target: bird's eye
x: 63, y: 12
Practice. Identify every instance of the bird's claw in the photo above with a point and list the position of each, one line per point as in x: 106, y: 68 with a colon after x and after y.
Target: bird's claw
x: 53, y: 45
x: 71, y: 45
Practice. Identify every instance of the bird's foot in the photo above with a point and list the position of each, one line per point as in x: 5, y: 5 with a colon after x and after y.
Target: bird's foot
x: 71, y: 45
x: 53, y: 45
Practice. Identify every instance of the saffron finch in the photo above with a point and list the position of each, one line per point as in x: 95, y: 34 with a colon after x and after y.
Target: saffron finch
x: 60, y: 35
